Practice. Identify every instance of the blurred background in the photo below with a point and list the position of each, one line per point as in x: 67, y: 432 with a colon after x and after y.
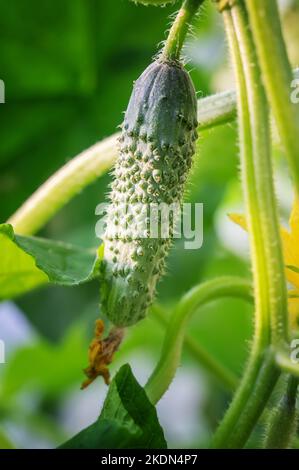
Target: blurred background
x: 68, y: 68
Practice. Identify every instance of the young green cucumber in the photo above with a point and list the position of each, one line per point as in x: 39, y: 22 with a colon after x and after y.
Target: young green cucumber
x: 155, y: 155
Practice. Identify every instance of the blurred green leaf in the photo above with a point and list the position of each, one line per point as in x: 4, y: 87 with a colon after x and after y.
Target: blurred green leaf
x: 51, y: 48
x: 27, y: 262
x: 127, y: 420
x: 5, y: 443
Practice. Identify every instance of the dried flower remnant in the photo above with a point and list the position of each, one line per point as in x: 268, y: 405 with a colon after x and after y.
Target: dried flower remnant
x: 101, y: 352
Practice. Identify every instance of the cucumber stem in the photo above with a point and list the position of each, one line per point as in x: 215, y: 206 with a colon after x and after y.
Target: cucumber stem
x: 267, y: 261
x: 179, y: 30
x: 277, y: 75
x: 224, y: 376
x: 282, y: 424
x: 165, y: 370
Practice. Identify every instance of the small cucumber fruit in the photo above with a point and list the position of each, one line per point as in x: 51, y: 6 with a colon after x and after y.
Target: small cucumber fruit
x: 155, y: 154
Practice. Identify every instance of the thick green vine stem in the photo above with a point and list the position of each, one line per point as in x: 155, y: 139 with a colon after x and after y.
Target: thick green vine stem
x: 165, y: 370
x: 267, y: 217
x: 265, y: 383
x: 277, y: 75
x: 179, y: 29
x: 267, y: 262
x: 63, y: 185
x: 225, y: 377
x: 282, y: 425
x: 261, y: 340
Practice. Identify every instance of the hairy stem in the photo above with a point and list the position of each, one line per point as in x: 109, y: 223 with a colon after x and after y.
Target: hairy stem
x: 271, y: 247
x: 63, y: 185
x: 267, y: 260
x: 282, y: 424
x: 179, y: 29
x: 277, y: 75
x: 265, y: 383
x: 261, y: 340
x: 224, y: 376
x: 169, y: 361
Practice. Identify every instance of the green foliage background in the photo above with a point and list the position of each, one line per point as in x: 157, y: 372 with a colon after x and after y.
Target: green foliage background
x: 68, y: 67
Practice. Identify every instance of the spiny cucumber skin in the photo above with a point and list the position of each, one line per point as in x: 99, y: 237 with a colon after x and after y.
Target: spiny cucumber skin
x: 155, y: 154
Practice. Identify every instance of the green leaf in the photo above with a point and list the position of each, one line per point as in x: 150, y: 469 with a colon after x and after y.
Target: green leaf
x: 127, y: 420
x: 103, y: 434
x: 28, y: 262
x: 48, y: 369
